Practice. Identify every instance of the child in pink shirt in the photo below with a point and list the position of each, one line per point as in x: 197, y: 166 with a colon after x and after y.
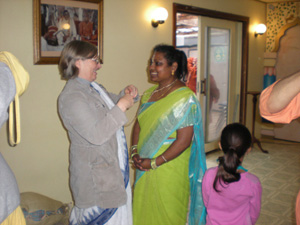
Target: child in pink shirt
x: 232, y: 195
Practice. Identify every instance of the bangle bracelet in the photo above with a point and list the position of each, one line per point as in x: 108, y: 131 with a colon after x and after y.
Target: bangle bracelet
x: 153, y: 163
x: 164, y: 158
x: 133, y: 154
x: 133, y: 147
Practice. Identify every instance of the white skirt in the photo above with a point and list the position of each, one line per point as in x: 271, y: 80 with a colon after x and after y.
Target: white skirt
x: 92, y: 215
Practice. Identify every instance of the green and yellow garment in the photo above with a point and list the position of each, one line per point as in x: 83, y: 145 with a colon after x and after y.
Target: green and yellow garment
x: 172, y: 192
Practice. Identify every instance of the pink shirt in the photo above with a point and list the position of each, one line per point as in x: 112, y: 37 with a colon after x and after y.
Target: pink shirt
x: 298, y: 209
x: 237, y: 203
x: 289, y: 113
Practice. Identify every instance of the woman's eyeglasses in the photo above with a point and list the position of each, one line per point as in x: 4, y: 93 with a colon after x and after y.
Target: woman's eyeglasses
x: 96, y: 59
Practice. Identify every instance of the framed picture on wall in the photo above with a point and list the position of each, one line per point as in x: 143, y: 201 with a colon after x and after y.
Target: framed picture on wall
x: 57, y: 22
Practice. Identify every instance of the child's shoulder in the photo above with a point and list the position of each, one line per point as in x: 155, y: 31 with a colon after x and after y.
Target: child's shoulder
x: 209, y: 176
x: 252, y: 178
x: 211, y: 171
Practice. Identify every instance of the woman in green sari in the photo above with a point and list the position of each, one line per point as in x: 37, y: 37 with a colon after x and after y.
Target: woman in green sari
x: 167, y: 146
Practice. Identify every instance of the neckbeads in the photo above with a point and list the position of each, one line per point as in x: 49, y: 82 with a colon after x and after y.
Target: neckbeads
x: 169, y: 86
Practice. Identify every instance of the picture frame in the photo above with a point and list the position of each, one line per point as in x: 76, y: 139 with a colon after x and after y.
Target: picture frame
x: 57, y: 22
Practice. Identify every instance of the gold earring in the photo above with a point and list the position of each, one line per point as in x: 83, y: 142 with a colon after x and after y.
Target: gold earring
x: 172, y: 73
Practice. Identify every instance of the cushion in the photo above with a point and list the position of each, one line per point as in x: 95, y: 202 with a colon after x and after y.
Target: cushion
x: 42, y: 210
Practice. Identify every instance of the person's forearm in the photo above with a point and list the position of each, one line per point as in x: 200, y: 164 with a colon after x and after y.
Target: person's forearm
x: 283, y: 92
x: 135, y: 133
x: 182, y: 142
x: 172, y: 152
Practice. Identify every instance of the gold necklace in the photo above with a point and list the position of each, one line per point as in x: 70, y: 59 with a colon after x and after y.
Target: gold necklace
x: 162, y: 93
x: 157, y: 90
x: 168, y: 86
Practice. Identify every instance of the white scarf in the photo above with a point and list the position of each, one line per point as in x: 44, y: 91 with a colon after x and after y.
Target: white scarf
x: 122, y: 145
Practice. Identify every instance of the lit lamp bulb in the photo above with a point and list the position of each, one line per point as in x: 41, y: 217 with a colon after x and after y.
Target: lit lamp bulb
x: 260, y: 29
x: 66, y: 26
x: 159, y: 16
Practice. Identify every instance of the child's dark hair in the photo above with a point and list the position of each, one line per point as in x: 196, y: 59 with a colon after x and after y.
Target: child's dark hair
x: 235, y: 141
x: 174, y: 55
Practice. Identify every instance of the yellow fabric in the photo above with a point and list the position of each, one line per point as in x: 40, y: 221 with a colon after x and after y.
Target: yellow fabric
x: 15, y: 218
x: 161, y: 196
x: 21, y: 77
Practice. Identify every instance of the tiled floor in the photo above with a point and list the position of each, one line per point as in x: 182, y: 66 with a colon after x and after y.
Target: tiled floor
x: 279, y: 173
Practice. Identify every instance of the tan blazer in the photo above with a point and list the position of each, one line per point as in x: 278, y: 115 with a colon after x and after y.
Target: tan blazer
x: 95, y: 175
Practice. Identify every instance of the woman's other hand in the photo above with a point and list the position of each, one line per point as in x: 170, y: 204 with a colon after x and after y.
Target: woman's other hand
x: 132, y: 90
x: 125, y: 102
x: 142, y: 164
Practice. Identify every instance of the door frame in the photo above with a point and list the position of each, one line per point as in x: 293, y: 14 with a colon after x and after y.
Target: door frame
x: 179, y: 8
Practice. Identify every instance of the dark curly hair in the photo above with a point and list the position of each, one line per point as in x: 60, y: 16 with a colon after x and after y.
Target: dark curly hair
x: 173, y: 55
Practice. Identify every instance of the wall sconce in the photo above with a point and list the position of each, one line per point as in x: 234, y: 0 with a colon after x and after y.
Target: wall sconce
x: 159, y: 16
x: 260, y: 29
x: 66, y: 26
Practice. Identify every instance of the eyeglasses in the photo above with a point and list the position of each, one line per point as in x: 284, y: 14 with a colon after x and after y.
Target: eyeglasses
x: 96, y: 59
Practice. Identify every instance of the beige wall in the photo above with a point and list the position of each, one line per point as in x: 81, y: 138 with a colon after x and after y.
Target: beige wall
x: 40, y: 161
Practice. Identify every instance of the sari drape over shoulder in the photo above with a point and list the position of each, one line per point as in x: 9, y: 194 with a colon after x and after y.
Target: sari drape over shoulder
x: 172, y: 191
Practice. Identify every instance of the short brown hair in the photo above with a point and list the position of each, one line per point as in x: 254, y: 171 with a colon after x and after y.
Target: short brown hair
x: 72, y: 52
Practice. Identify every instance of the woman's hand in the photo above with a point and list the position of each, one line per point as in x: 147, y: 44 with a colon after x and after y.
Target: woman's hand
x: 131, y: 90
x: 125, y: 102
x: 143, y: 164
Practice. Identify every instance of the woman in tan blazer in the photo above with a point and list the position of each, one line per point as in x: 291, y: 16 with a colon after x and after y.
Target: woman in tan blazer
x: 94, y: 119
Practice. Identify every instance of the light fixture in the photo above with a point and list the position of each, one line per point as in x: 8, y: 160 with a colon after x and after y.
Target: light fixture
x: 260, y: 29
x: 66, y: 26
x: 159, y: 16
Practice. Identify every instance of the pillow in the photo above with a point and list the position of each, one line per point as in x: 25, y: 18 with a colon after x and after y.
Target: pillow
x: 42, y: 210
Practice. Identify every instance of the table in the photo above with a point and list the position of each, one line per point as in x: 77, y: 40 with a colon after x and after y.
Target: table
x: 254, y: 100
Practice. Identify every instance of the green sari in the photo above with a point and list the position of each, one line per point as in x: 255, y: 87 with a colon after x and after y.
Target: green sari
x: 172, y: 192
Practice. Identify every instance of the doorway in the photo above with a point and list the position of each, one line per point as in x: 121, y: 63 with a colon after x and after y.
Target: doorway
x: 216, y: 51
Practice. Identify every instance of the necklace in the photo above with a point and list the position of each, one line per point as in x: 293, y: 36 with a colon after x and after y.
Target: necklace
x: 162, y: 93
x: 157, y: 90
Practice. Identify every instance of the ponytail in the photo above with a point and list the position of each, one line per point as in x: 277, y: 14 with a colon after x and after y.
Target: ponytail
x: 182, y: 70
x: 227, y: 171
x: 235, y: 141
x: 231, y: 162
